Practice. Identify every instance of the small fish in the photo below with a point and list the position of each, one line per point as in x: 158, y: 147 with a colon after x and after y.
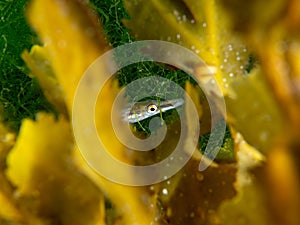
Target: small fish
x: 143, y: 110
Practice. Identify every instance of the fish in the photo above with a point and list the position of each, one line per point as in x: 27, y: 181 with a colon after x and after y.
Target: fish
x: 142, y: 110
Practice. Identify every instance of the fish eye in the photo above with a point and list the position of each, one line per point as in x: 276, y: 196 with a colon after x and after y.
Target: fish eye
x: 151, y: 108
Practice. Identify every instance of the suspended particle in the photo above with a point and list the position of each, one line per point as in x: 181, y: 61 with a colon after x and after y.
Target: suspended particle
x: 165, y: 191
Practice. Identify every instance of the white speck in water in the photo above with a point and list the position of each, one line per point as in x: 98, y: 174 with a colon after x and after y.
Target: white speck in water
x: 204, y: 24
x: 200, y: 177
x: 224, y: 80
x: 165, y: 177
x: 245, y: 50
x: 241, y: 67
x: 152, y: 188
x: 192, y: 21
x: 184, y: 18
x: 226, y: 85
x: 178, y: 36
x: 237, y: 53
x: 165, y: 191
x: 238, y: 58
x: 175, y: 12
x: 230, y: 48
x: 197, y: 51
x: 221, y: 66
x: 193, y: 47
x: 213, y: 81
x: 231, y: 74
x: 225, y: 60
x: 168, y: 182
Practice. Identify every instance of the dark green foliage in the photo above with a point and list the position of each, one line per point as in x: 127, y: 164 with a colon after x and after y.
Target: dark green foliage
x: 225, y: 152
x: 251, y: 63
x: 20, y: 95
x: 111, y: 214
x: 112, y: 13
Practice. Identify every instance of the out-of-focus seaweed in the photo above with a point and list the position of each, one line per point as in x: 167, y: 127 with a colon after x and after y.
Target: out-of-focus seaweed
x: 256, y: 56
x: 49, y: 186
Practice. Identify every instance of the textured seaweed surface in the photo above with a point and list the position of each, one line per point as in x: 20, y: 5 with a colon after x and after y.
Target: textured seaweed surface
x: 20, y: 95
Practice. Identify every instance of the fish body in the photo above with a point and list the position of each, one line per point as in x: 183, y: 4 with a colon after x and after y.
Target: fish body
x: 143, y: 110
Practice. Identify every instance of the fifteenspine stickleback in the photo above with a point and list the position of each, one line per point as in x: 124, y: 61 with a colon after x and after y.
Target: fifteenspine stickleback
x: 143, y: 110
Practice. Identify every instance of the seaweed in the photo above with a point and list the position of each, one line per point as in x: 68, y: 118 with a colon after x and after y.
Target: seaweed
x: 225, y: 153
x: 20, y: 95
x: 112, y: 13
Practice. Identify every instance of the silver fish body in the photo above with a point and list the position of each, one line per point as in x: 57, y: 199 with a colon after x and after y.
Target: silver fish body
x: 143, y: 110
